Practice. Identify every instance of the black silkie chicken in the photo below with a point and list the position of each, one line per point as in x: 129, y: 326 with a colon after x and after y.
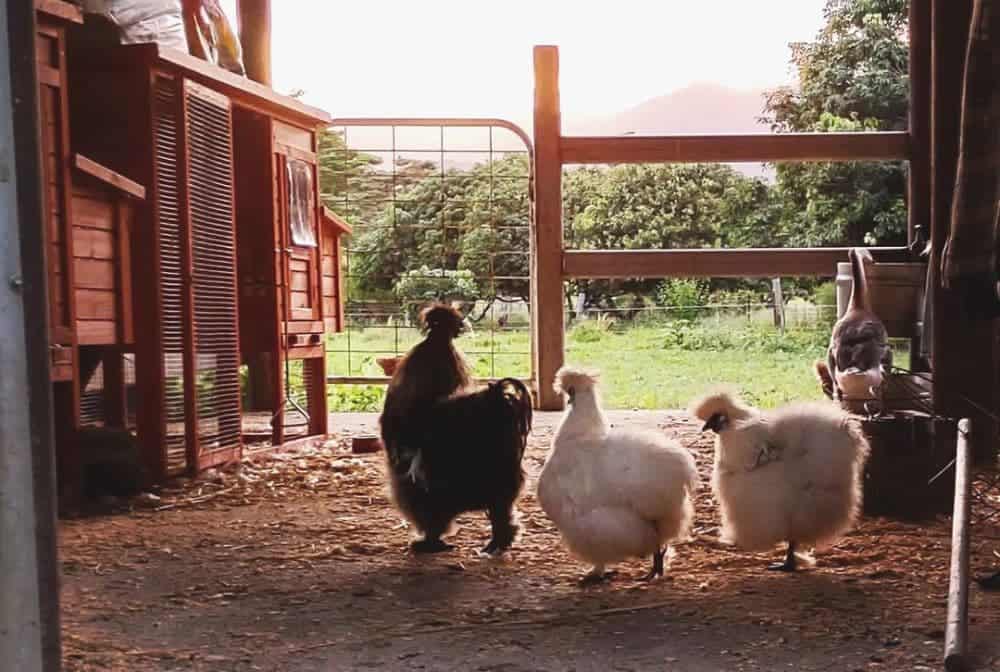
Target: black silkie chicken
x: 460, y: 454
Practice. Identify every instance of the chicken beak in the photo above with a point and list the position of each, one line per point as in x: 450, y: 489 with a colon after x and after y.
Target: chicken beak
x: 714, y: 423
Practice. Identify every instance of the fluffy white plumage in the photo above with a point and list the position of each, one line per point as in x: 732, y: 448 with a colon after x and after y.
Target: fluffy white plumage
x: 793, y: 474
x: 613, y: 493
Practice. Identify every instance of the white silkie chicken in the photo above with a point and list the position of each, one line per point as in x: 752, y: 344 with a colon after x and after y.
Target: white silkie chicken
x: 613, y: 493
x: 791, y: 475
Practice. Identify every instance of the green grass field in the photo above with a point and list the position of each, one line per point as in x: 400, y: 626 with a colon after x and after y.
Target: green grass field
x: 646, y: 367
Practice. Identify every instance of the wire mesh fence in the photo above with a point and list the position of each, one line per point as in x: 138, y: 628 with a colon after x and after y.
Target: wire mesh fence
x: 440, y: 212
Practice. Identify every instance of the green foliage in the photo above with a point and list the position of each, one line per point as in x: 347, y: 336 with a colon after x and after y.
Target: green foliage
x: 683, y: 296
x: 658, y: 206
x: 356, y: 398
x: 419, y: 286
x: 463, y: 220
x: 751, y: 338
x: 592, y: 330
x: 825, y: 294
x: 852, y: 77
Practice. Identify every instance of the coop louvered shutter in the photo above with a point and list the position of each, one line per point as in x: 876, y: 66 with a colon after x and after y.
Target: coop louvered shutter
x: 169, y: 219
x: 213, y: 266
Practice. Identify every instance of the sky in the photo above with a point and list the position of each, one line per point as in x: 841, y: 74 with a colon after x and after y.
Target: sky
x: 473, y: 58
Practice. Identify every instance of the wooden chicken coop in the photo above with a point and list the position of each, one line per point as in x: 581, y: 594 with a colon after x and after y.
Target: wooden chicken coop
x: 188, y: 251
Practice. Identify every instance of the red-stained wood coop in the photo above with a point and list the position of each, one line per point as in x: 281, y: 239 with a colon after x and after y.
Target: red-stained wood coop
x: 191, y: 263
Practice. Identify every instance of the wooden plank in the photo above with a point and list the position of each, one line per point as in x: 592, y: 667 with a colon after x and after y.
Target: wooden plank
x: 96, y: 304
x: 295, y: 152
x: 94, y: 274
x: 115, y: 410
x: 547, y: 318
x: 339, y: 225
x: 300, y: 281
x: 711, y: 263
x: 109, y: 177
x: 919, y: 173
x: 93, y: 244
x: 96, y: 332
x: 329, y: 286
x: 62, y: 372
x: 93, y: 214
x: 304, y: 327
x: 288, y: 136
x: 244, y: 90
x: 60, y: 10
x: 300, y: 299
x: 306, y: 352
x: 125, y: 219
x: 962, y: 345
x: 316, y: 394
x: 761, y: 147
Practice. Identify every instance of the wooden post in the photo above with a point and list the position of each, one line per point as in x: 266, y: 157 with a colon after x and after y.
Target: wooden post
x: 547, y: 319
x: 957, y: 626
x: 255, y: 38
x: 779, y: 304
x: 962, y: 346
x: 919, y: 175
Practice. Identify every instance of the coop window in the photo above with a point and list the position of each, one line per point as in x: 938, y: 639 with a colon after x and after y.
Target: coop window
x: 301, y: 208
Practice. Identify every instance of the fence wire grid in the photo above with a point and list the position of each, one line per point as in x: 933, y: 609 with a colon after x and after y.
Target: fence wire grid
x: 439, y: 212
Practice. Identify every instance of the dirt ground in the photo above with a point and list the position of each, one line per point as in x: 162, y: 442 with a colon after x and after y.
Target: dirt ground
x: 298, y: 562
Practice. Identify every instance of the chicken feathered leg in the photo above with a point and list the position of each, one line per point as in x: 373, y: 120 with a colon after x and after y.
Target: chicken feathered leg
x: 790, y: 560
x: 657, y: 569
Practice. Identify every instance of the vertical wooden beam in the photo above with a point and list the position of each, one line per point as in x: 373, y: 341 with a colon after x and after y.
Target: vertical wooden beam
x: 546, y: 277
x: 919, y: 176
x: 255, y: 38
x: 314, y: 372
x: 962, y: 346
x: 115, y: 413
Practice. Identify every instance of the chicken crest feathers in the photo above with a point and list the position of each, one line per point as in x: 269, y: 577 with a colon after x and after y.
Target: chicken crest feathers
x: 440, y: 319
x: 577, y: 378
x: 723, y: 400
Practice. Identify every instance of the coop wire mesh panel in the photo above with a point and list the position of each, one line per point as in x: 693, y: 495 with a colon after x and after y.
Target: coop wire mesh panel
x: 440, y: 210
x: 165, y: 130
x: 213, y: 247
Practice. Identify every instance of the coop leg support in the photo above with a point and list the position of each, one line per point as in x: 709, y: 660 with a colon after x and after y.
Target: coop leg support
x: 957, y: 626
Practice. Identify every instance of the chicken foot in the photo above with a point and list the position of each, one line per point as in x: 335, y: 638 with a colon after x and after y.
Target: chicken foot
x: 790, y: 561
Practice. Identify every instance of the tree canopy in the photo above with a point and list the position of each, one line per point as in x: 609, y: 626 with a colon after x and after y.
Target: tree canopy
x: 421, y: 231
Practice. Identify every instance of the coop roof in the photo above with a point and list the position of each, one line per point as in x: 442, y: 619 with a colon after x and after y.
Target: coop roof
x: 243, y: 92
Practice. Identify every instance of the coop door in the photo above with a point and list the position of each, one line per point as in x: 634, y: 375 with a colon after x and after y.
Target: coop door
x: 216, y: 358
x: 297, y: 206
x: 53, y: 108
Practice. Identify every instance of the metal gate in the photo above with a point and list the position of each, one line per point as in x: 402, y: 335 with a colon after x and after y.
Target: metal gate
x: 441, y: 209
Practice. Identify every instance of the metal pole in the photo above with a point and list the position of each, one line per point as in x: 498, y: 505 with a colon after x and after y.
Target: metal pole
x: 957, y: 626
x: 29, y: 606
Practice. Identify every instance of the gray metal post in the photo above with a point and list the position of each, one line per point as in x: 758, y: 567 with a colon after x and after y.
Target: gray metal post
x: 29, y: 607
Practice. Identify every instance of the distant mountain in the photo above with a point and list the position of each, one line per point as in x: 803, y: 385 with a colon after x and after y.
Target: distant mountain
x: 698, y: 109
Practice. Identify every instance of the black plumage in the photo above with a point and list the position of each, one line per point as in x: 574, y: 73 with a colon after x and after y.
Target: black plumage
x: 464, y: 454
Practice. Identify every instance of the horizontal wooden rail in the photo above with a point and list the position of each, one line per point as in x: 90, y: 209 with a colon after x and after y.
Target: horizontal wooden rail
x: 714, y: 263
x: 758, y: 147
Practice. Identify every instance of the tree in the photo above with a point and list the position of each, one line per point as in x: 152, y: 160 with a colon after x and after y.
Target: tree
x: 852, y: 77
x: 658, y: 206
x: 474, y: 220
